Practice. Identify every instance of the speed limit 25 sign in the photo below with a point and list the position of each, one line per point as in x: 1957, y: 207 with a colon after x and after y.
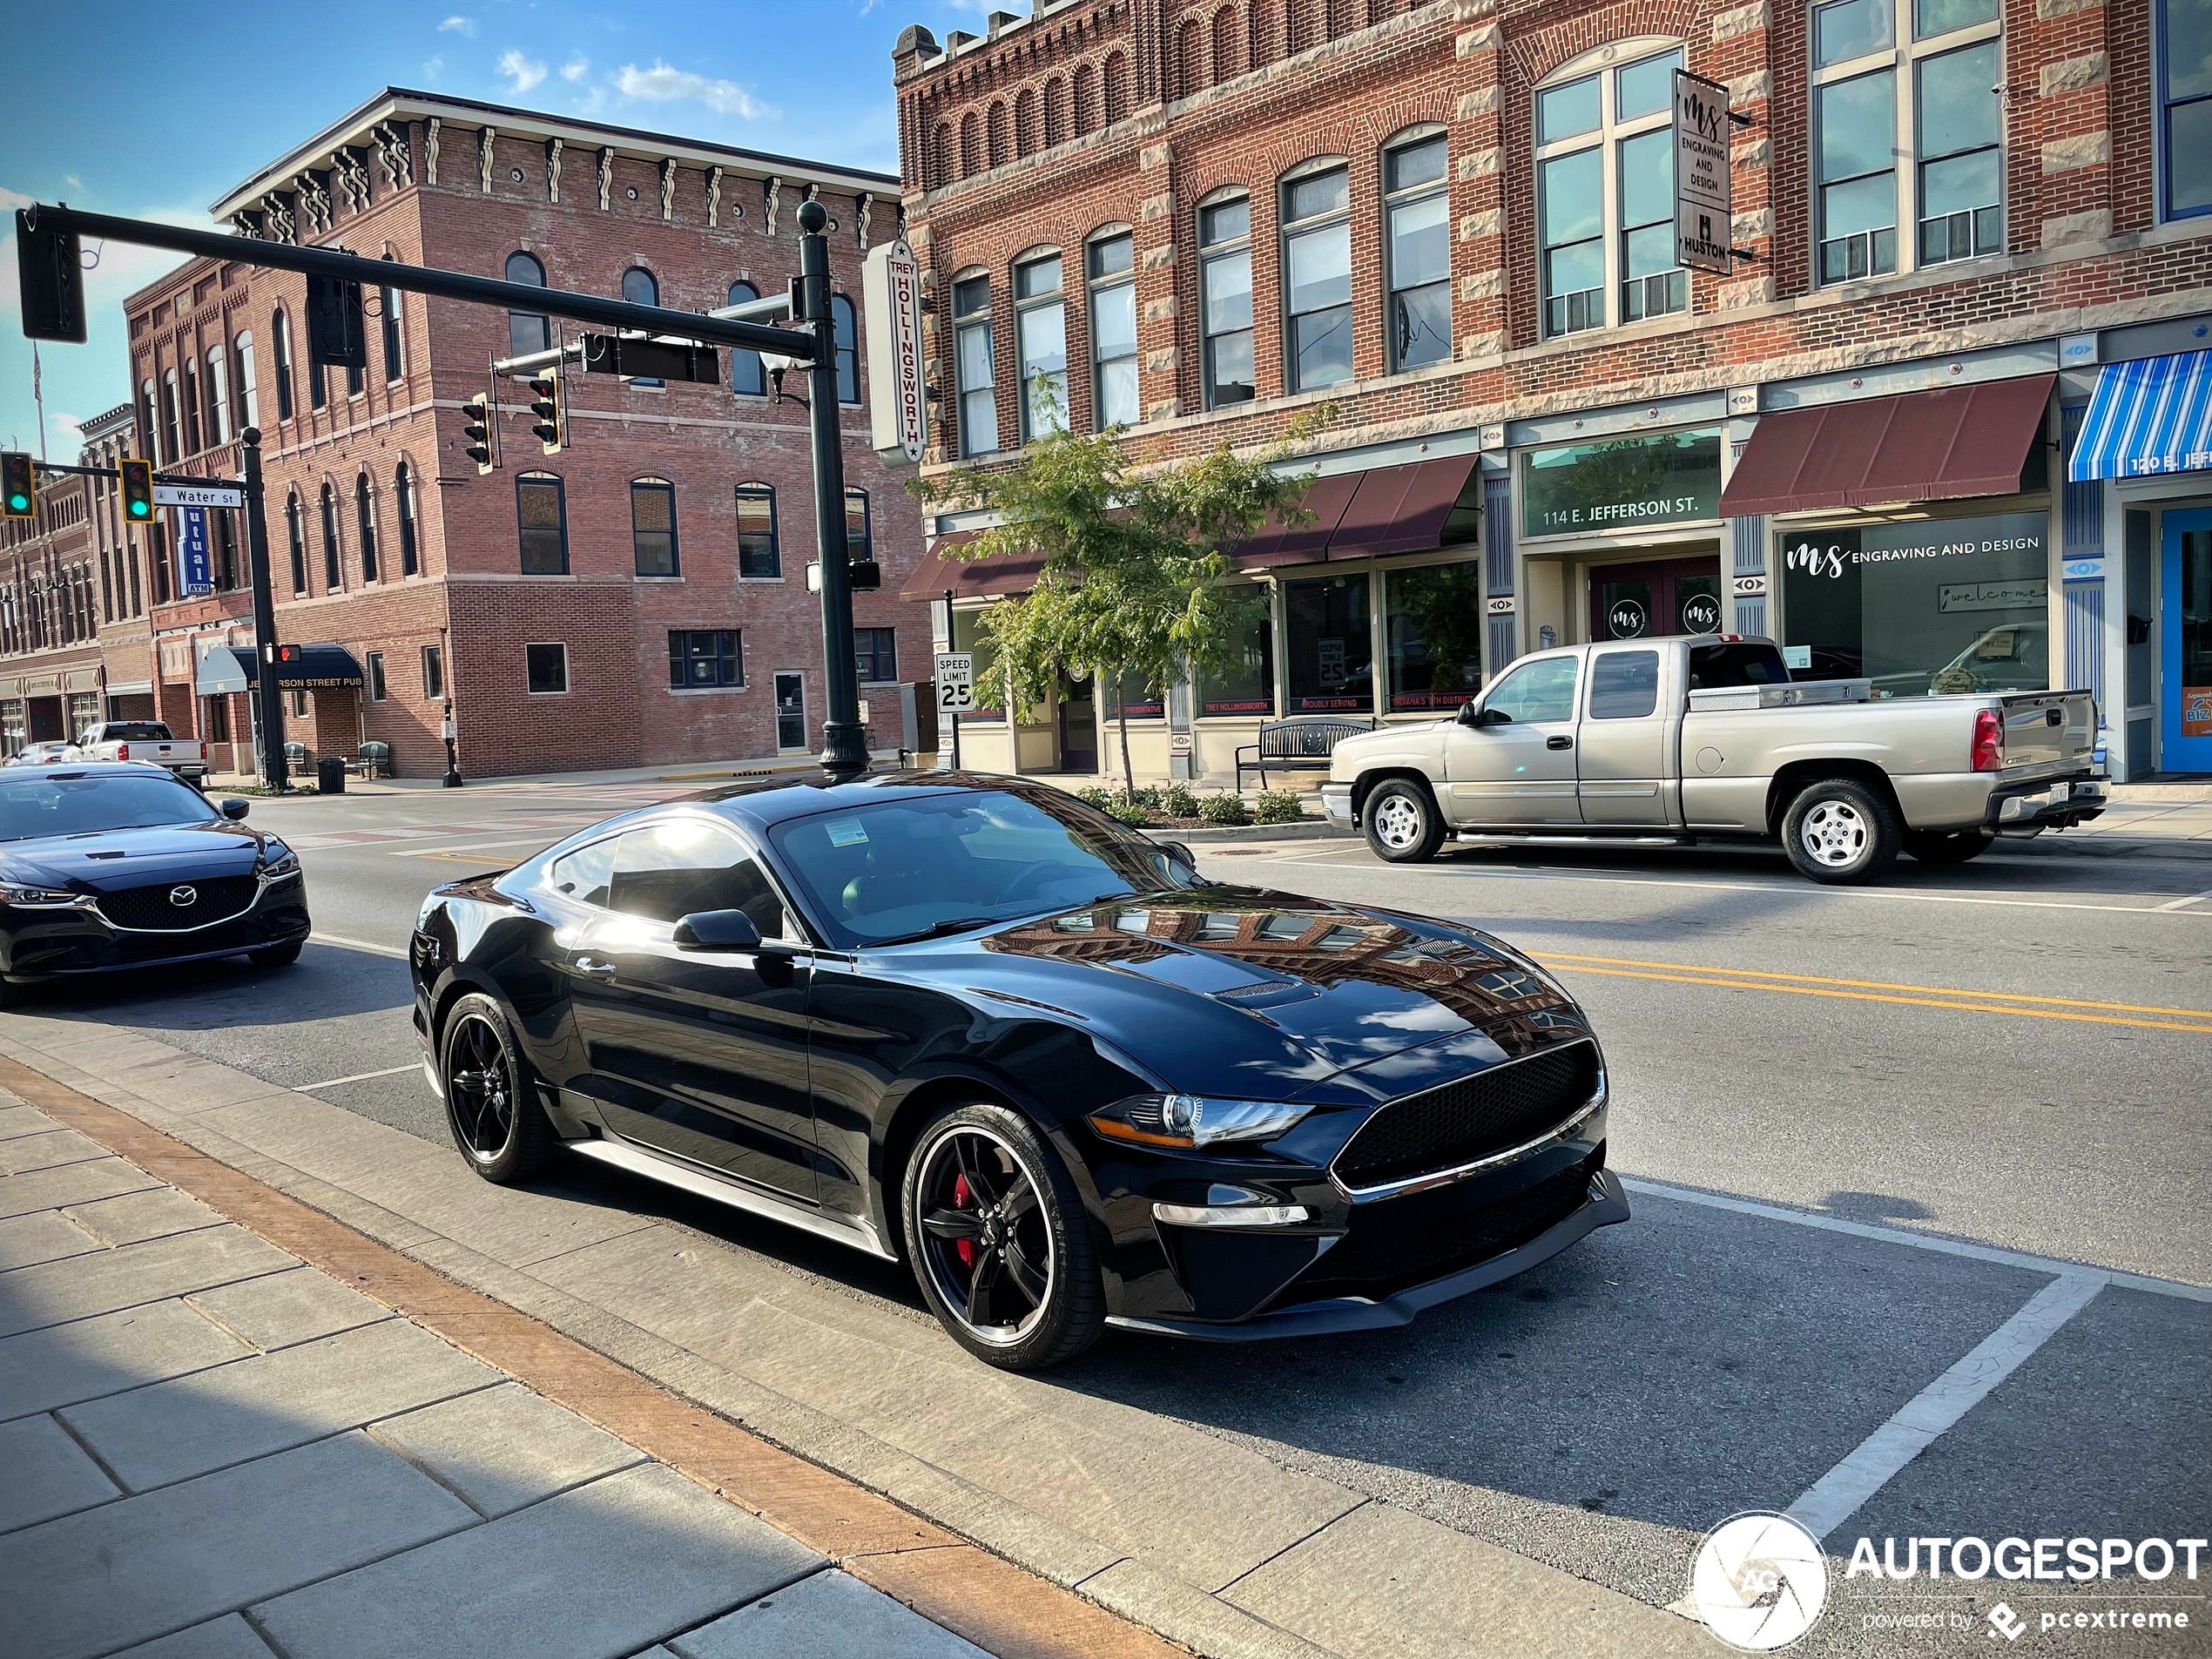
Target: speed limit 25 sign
x: 955, y: 682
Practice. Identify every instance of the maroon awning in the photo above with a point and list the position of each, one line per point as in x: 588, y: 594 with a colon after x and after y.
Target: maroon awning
x: 968, y: 578
x: 1402, y: 510
x: 1275, y: 543
x: 1915, y: 447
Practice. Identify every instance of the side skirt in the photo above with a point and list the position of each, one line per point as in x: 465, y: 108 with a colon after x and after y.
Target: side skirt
x: 860, y: 1235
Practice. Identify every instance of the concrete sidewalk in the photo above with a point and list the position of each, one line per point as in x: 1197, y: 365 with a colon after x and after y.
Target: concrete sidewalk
x: 212, y: 1449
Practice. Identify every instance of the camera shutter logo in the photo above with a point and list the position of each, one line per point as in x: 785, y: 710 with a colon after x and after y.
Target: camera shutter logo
x: 1759, y: 1581
x: 184, y: 898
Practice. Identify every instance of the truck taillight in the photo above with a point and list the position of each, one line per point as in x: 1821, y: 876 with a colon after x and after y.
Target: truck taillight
x: 1989, y: 740
x: 203, y: 749
x: 122, y: 752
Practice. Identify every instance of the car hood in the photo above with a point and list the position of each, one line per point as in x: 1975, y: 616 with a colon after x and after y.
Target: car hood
x: 1229, y: 990
x: 103, y: 860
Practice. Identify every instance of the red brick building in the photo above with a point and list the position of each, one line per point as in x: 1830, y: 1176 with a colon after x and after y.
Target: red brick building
x: 639, y: 597
x: 1968, y: 229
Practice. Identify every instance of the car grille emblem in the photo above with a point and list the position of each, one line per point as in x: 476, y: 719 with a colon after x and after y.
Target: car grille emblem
x: 184, y: 898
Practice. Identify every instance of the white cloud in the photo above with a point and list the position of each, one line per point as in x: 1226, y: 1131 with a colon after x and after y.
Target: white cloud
x: 463, y: 26
x: 433, y: 67
x: 592, y: 103
x: 64, y: 433
x: 525, y: 73
x: 576, y: 69
x: 662, y: 84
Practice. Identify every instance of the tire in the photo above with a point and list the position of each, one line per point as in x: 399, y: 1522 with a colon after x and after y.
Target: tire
x: 1841, y: 832
x: 1948, y: 847
x: 1401, y: 822
x: 980, y: 1268
x: 276, y: 955
x: 491, y: 1095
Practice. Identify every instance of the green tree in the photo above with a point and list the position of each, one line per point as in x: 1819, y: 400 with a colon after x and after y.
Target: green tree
x: 1130, y: 587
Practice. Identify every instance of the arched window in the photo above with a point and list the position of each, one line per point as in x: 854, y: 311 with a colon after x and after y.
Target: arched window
x: 249, y: 394
x: 280, y: 337
x: 1417, y: 249
x: 295, y: 532
x: 1317, y: 267
x: 652, y: 527
x: 1025, y: 123
x: 848, y: 349
x: 1225, y: 298
x: 859, y: 538
x: 331, y: 580
x: 971, y: 145
x: 1117, y: 79
x: 225, y: 529
x: 218, y: 398
x: 1086, y: 99
x: 365, y: 513
x: 1605, y: 194
x: 1225, y: 64
x: 1055, y: 112
x: 1111, y: 269
x: 974, y: 363
x: 995, y: 131
x: 527, y: 331
x: 757, y: 555
x: 641, y: 287
x: 747, y: 377
x: 1041, y: 345
x: 188, y: 401
x: 1189, y: 52
x: 394, y: 363
x: 403, y: 511
x: 318, y: 383
x: 148, y: 431
x: 542, y: 522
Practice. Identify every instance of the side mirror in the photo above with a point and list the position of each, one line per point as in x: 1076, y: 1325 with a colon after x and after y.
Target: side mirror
x: 1180, y: 854
x: 1470, y: 715
x: 234, y: 810
x: 717, y: 930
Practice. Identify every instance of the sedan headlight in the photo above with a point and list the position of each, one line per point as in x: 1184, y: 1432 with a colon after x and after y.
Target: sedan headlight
x: 38, y: 897
x: 282, y: 868
x: 1195, y: 1120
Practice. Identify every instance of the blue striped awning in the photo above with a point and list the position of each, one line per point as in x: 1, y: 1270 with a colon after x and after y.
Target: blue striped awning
x: 2153, y: 415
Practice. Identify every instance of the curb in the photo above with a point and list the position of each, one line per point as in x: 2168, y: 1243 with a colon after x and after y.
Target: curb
x: 1308, y: 829
x: 955, y: 1584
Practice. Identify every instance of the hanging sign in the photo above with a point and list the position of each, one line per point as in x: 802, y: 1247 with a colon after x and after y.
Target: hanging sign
x: 198, y: 495
x: 192, y: 548
x: 890, y: 284
x: 1703, y: 235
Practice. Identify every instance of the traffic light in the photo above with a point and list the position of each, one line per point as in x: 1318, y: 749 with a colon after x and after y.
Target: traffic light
x: 50, y: 267
x: 335, y: 336
x: 550, y: 403
x: 18, y: 486
x: 138, y: 490
x: 477, y: 411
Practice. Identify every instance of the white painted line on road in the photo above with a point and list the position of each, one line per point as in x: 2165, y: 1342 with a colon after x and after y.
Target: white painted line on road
x: 1844, y: 1491
x: 358, y: 944
x: 1934, y: 1242
x: 358, y: 1077
x: 2184, y: 904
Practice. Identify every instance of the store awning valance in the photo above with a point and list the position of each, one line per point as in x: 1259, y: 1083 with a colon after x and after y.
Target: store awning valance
x: 968, y: 578
x: 305, y: 668
x: 1914, y: 447
x: 2150, y: 416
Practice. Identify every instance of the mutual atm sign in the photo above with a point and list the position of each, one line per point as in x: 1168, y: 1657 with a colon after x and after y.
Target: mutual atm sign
x: 1703, y: 234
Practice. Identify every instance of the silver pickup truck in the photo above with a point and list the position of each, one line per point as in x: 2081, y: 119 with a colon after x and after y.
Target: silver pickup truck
x: 1654, y: 742
x: 147, y: 740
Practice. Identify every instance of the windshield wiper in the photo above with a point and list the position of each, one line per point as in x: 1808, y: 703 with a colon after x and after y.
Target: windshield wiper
x: 936, y: 929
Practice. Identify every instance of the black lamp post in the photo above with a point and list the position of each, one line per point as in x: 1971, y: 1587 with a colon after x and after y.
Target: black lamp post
x: 453, y: 769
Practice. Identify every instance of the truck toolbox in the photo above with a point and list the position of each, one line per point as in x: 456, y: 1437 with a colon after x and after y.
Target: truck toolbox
x: 1724, y: 699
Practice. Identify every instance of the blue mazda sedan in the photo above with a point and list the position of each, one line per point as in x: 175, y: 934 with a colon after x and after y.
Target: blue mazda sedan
x: 116, y: 865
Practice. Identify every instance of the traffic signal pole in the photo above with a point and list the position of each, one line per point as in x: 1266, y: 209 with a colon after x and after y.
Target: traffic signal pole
x: 845, y: 753
x: 257, y: 564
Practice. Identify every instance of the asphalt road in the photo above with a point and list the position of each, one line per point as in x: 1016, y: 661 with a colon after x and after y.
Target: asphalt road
x: 1818, y: 1092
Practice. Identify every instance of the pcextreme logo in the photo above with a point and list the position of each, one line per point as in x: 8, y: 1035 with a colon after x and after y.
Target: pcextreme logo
x: 1759, y: 1581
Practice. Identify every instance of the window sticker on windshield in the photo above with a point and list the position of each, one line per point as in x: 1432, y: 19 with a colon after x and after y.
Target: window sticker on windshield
x: 847, y: 831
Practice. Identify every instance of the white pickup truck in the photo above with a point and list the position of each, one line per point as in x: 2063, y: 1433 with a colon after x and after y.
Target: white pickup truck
x: 1664, y: 742
x: 147, y: 740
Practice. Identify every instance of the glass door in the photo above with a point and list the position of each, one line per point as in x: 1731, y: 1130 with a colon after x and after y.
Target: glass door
x: 2185, y: 700
x: 790, y: 712
x: 1656, y: 597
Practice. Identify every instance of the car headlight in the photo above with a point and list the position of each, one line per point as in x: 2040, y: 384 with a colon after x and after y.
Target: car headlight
x: 283, y: 867
x: 38, y: 897
x: 1194, y: 1120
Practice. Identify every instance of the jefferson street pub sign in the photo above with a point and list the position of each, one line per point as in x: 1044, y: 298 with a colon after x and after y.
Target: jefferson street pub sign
x: 1621, y: 483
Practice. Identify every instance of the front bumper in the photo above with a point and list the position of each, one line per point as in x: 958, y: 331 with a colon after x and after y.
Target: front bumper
x: 2032, y: 808
x: 40, y: 943
x: 1604, y: 1205
x: 1336, y: 802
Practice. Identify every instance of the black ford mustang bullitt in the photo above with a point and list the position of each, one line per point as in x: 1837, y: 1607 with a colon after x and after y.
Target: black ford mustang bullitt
x: 970, y: 1021
x: 110, y: 864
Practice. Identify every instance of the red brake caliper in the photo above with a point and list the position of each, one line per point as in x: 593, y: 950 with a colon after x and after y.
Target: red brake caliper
x: 962, y: 1198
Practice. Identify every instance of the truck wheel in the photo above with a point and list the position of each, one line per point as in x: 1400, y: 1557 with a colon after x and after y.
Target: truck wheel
x: 1948, y: 847
x: 1841, y: 832
x: 1402, y: 823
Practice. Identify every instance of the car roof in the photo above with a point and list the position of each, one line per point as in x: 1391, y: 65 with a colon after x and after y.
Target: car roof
x: 764, y: 802
x: 92, y: 769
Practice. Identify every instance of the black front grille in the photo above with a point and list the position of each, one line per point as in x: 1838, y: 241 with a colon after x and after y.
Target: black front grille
x: 1462, y: 1122
x: 216, y: 898
x: 1381, y: 1255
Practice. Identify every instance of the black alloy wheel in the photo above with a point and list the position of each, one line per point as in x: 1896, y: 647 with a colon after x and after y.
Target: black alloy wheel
x: 999, y: 1240
x: 490, y: 1107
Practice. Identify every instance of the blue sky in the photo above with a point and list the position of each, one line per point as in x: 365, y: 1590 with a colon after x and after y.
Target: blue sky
x: 155, y: 111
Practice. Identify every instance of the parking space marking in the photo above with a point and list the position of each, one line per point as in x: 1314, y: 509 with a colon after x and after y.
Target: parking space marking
x: 2197, y: 1020
x: 2184, y: 904
x: 344, y: 943
x: 1842, y: 1492
x: 1934, y: 1242
x: 358, y: 1077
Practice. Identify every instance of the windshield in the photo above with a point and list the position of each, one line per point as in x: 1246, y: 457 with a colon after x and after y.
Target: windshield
x: 881, y: 873
x: 76, y: 803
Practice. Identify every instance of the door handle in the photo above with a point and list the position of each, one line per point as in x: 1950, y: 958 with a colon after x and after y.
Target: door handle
x: 1559, y: 742
x: 595, y: 970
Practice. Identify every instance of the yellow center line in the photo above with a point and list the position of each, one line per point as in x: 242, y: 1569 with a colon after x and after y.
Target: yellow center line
x: 1918, y: 1001
x: 1883, y: 985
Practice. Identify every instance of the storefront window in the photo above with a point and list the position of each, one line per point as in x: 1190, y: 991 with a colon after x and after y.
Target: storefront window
x: 1624, y: 483
x: 990, y: 685
x: 1434, y: 620
x: 1247, y: 684
x: 1936, y: 608
x: 1331, y: 652
x: 1142, y: 705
